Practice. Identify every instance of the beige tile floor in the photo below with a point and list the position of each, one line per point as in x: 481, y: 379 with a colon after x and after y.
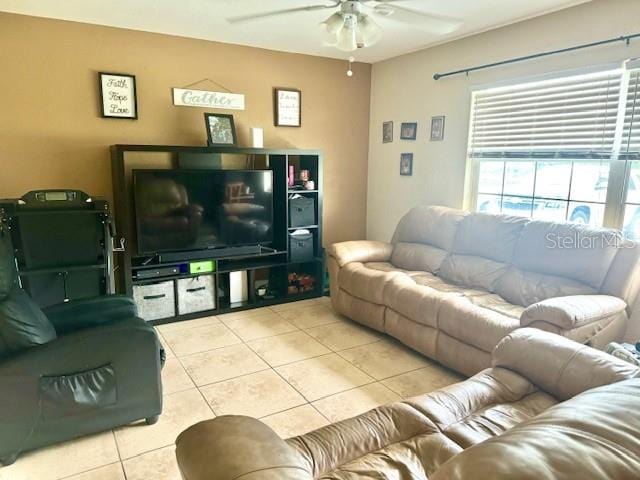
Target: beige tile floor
x: 297, y: 367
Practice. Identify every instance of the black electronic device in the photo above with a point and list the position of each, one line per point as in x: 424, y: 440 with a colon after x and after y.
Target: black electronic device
x: 53, y: 198
x: 190, y: 210
x: 143, y: 274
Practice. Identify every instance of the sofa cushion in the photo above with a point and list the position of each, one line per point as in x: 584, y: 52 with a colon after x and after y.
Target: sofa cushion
x: 485, y: 405
x: 435, y: 226
x: 526, y: 288
x: 473, y: 272
x: 417, y: 302
x: 22, y: 324
x: 493, y: 237
x: 365, y: 283
x: 567, y: 250
x: 595, y: 436
x: 389, y: 267
x: 481, y: 321
x: 438, y: 283
x: 416, y: 256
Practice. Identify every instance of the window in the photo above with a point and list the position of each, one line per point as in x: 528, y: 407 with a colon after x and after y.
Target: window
x: 561, y: 149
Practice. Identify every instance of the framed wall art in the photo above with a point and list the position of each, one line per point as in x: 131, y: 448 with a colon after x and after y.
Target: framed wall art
x: 118, y: 95
x: 437, y: 128
x: 408, y: 131
x: 406, y: 164
x: 287, y: 108
x: 387, y: 132
x: 221, y: 130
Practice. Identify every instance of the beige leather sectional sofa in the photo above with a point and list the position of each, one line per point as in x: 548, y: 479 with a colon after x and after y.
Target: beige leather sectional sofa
x: 452, y: 284
x: 516, y: 420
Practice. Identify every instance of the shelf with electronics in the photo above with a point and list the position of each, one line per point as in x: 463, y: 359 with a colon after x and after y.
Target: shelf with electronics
x: 230, y: 257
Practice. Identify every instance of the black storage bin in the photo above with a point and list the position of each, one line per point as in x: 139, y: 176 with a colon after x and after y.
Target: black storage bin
x: 302, y: 211
x: 301, y: 247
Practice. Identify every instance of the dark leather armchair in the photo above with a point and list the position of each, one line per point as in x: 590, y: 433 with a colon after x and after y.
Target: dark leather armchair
x: 74, y: 369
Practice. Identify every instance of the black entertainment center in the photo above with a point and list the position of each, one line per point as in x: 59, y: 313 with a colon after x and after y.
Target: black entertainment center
x: 210, y: 230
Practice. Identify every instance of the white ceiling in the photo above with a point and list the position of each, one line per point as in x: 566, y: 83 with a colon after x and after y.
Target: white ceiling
x: 299, y: 32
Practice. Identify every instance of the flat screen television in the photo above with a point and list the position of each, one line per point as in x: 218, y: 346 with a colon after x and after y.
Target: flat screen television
x: 180, y: 210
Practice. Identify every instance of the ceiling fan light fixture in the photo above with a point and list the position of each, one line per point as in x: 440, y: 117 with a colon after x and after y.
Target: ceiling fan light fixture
x: 347, y: 38
x: 329, y: 39
x: 334, y: 23
x: 370, y: 32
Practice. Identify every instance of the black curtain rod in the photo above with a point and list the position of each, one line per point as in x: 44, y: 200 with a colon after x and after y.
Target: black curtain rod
x: 624, y: 38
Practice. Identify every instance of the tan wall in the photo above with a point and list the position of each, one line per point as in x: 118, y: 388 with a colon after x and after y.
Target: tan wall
x: 403, y: 89
x: 52, y: 135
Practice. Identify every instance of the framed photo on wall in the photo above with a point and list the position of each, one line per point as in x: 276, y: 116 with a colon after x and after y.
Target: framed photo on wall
x: 387, y: 132
x: 287, y: 107
x: 221, y: 130
x: 406, y: 164
x: 408, y: 131
x: 437, y: 128
x: 118, y: 95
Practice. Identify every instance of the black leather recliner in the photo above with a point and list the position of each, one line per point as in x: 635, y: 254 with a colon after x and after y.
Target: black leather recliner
x: 72, y: 369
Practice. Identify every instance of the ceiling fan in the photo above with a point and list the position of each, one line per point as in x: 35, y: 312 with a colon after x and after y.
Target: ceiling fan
x: 353, y: 25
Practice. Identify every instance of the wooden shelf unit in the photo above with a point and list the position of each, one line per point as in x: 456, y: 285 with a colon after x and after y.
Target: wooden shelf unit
x: 275, y: 265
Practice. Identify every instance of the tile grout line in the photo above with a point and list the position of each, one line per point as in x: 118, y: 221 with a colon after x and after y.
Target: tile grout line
x: 67, y: 477
x: 293, y: 361
x: 197, y: 388
x: 241, y: 340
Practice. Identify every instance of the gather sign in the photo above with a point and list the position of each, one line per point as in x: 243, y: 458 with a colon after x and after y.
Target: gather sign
x: 206, y: 99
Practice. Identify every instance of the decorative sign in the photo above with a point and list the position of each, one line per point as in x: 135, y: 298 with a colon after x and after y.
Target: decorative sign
x: 205, y: 99
x: 288, y: 107
x: 118, y: 92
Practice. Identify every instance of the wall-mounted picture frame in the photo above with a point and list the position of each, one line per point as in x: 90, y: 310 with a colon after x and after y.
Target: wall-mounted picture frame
x: 406, y: 164
x: 118, y: 97
x: 387, y: 132
x: 437, y: 128
x: 287, y: 107
x: 221, y: 130
x: 408, y: 131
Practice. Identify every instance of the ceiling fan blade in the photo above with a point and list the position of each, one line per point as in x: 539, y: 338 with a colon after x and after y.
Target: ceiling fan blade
x: 438, y: 24
x: 286, y: 11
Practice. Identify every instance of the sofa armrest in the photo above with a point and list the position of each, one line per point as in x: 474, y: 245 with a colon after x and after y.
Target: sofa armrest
x: 128, y: 339
x: 90, y: 312
x: 557, y: 365
x: 232, y: 447
x: 572, y: 311
x: 360, y: 251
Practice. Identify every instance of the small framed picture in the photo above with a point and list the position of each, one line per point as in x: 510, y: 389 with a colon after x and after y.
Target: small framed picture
x: 287, y: 107
x: 221, y: 130
x: 118, y: 95
x: 408, y: 131
x: 437, y: 128
x: 406, y: 164
x: 387, y: 132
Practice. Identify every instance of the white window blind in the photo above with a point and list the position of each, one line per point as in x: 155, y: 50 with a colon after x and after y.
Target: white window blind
x: 630, y: 145
x: 562, y: 149
x: 568, y: 118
